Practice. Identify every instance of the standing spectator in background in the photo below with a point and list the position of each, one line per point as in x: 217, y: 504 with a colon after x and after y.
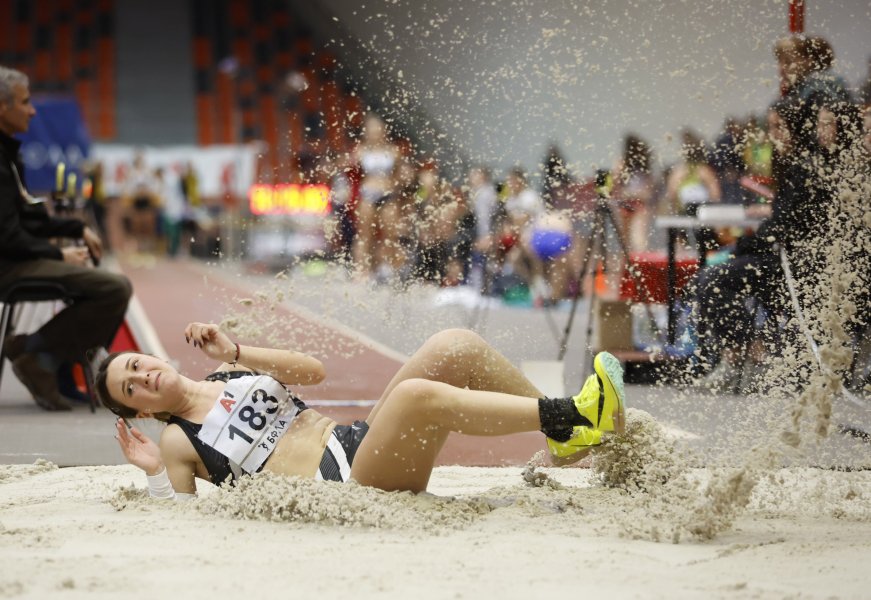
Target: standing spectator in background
x: 396, y: 226
x: 521, y: 203
x: 728, y: 161
x: 557, y: 179
x: 522, y: 207
x: 554, y: 254
x: 342, y: 178
x: 758, y: 151
x: 95, y: 195
x: 376, y: 156
x: 190, y: 188
x: 693, y: 183
x: 484, y: 202
x: 26, y: 253
x: 141, y: 197
x: 170, y: 189
x: 634, y: 192
x: 445, y: 230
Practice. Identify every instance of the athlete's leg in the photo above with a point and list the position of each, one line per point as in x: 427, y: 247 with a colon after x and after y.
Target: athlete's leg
x: 414, y: 421
x: 461, y: 358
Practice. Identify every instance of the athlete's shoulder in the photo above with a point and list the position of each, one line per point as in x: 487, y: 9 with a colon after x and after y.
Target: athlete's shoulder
x: 174, y: 444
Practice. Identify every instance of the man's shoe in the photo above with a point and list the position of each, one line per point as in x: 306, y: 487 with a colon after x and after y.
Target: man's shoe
x: 14, y: 347
x: 41, y: 384
x: 600, y: 401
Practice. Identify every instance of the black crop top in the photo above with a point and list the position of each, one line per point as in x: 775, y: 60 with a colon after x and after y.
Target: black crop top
x: 217, y: 465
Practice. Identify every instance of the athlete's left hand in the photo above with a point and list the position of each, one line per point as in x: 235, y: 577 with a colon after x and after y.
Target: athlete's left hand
x: 211, y: 340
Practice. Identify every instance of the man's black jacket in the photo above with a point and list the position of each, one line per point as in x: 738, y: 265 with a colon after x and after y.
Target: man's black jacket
x: 25, y: 228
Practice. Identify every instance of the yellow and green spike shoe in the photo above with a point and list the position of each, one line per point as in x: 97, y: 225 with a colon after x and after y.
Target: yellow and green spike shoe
x: 599, y: 401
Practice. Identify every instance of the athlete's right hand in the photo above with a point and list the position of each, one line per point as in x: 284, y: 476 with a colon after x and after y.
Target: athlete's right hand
x: 138, y: 448
x: 211, y: 340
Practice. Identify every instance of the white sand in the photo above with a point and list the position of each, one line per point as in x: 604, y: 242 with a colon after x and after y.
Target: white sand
x: 805, y: 534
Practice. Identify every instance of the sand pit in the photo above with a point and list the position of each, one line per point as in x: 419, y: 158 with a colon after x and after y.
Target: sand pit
x: 90, y: 532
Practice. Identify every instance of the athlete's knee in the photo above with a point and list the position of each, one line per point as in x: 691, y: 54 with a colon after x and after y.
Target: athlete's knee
x: 453, y: 340
x: 418, y: 394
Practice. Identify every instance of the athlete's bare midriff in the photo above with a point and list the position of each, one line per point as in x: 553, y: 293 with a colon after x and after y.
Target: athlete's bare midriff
x: 300, y: 450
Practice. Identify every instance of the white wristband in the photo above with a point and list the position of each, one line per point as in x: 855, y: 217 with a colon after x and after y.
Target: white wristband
x: 159, y: 486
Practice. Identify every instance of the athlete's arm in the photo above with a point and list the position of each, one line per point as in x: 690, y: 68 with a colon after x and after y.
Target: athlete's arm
x: 142, y: 452
x: 180, y: 460
x: 138, y: 448
x: 287, y: 366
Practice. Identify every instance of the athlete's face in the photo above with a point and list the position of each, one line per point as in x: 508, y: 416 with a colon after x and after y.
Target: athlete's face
x: 142, y: 382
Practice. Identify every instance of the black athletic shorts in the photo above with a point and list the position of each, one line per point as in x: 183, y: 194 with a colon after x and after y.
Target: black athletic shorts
x: 350, y: 437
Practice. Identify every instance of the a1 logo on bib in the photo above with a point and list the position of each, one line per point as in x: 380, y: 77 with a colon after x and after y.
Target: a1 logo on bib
x: 248, y: 419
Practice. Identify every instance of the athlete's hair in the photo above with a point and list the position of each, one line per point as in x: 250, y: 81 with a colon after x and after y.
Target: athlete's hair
x: 9, y: 78
x: 101, y: 388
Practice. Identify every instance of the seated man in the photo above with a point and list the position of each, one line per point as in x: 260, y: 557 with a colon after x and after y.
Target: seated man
x: 26, y: 253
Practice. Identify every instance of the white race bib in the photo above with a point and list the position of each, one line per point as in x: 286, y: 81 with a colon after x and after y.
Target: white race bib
x: 248, y: 419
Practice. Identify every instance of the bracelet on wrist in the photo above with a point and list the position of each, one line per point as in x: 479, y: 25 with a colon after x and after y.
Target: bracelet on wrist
x: 235, y: 360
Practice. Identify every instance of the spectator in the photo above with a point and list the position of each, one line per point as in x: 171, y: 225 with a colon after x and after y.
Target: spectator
x: 814, y: 85
x: 95, y: 195
x: 728, y: 161
x: 376, y: 156
x: 396, y: 253
x: 557, y: 179
x: 171, y: 190
x: 484, y: 202
x: 445, y: 231
x: 342, y: 177
x: 26, y: 253
x: 791, y: 62
x: 805, y: 165
x: 724, y: 322
x: 143, y: 202
x: 555, y: 255
x: 693, y: 183
x: 522, y: 207
x: 634, y: 192
x: 522, y: 203
x: 758, y: 151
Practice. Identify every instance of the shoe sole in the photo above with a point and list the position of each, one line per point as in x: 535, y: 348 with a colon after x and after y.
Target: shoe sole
x: 610, y: 374
x: 37, y: 398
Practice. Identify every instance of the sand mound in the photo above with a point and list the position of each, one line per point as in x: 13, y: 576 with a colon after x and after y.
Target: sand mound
x: 14, y: 472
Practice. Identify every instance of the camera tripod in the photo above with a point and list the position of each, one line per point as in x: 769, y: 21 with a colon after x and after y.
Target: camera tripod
x: 594, y: 256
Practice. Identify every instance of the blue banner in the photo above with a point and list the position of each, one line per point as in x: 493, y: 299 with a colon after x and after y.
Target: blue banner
x: 57, y: 134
